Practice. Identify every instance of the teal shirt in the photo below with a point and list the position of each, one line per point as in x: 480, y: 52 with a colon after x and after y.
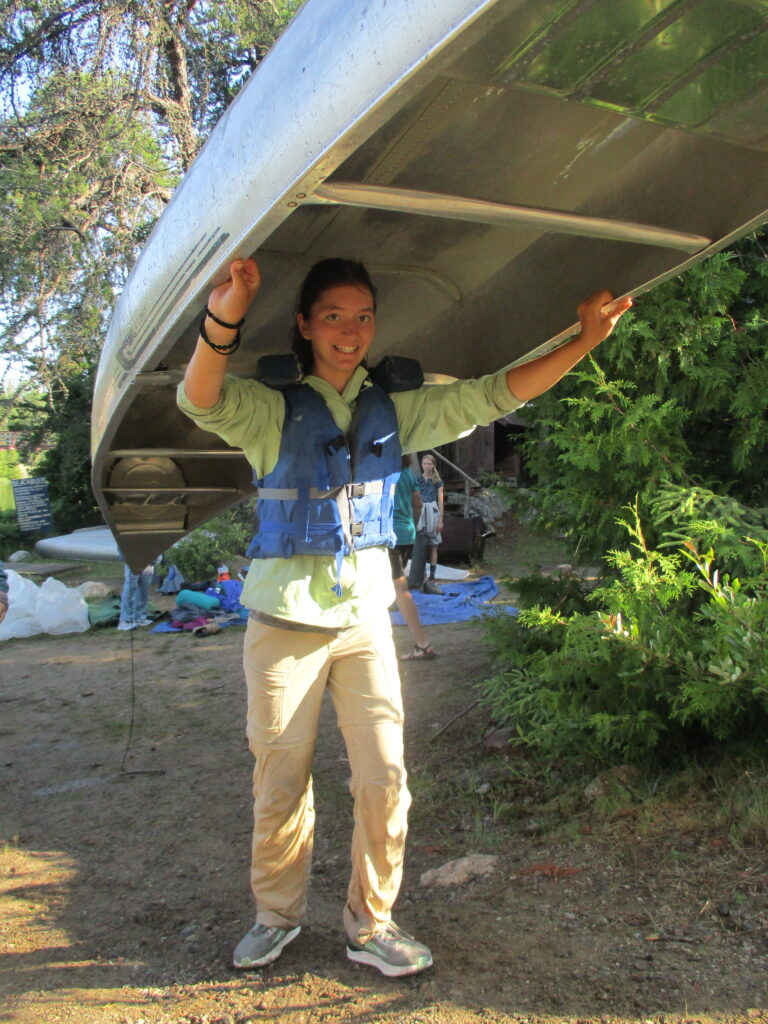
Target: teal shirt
x: 405, y: 528
x: 250, y: 416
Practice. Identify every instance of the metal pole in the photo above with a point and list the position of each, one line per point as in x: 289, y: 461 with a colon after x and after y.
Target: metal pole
x: 468, y: 481
x: 467, y: 478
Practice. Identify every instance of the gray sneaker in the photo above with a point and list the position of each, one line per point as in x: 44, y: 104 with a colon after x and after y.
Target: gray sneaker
x: 262, y: 945
x: 392, y: 951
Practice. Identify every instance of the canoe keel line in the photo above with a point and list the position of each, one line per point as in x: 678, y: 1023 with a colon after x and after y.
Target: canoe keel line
x: 491, y: 162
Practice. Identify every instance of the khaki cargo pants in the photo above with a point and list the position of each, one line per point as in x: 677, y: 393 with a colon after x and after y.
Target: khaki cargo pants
x: 287, y: 672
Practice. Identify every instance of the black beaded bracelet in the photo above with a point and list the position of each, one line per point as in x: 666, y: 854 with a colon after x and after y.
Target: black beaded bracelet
x: 223, y: 323
x: 223, y: 350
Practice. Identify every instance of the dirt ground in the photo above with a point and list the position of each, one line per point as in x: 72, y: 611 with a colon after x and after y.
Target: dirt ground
x: 124, y: 860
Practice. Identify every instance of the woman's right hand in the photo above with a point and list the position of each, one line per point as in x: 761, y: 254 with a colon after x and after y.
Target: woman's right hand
x: 231, y: 300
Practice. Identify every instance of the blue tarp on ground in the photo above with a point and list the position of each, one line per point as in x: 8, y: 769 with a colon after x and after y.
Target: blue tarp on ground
x: 459, y: 602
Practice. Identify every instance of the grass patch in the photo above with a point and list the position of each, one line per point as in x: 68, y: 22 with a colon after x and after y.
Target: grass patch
x: 743, y: 806
x: 482, y: 802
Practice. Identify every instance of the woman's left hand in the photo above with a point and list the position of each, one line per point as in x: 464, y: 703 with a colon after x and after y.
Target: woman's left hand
x: 599, y: 314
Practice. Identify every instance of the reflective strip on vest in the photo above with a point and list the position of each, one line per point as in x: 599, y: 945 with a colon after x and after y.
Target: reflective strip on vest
x: 292, y: 493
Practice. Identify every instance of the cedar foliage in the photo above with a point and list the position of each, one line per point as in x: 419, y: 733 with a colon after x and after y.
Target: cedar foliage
x: 679, y: 395
x: 650, y: 460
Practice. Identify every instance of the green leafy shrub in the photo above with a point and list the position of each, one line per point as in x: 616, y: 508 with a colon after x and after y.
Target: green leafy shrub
x: 11, y: 538
x: 674, y: 658
x: 676, y: 397
x: 10, y: 464
x: 563, y: 591
x: 712, y: 520
x: 223, y: 538
x: 666, y: 655
x: 67, y: 464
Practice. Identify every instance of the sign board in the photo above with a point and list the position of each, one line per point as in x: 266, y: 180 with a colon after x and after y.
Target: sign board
x: 33, y: 506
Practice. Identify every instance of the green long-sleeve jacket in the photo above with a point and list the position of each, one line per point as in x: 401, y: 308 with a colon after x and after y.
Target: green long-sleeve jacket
x: 250, y: 416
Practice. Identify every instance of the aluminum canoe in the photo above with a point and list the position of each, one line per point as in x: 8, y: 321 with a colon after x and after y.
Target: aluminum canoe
x: 491, y: 161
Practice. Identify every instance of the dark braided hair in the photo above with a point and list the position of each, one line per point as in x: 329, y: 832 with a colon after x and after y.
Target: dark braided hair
x: 325, y: 274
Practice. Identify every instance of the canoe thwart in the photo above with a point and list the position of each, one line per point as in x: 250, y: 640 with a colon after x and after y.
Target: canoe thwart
x: 479, y: 211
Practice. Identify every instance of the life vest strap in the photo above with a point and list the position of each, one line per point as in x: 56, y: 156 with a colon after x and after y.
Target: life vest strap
x: 351, y: 490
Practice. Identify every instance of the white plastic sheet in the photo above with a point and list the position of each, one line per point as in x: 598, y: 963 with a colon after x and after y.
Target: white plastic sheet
x: 94, y: 589
x: 50, y: 608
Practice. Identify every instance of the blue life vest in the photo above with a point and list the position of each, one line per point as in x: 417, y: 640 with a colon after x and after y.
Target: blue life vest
x: 330, y: 493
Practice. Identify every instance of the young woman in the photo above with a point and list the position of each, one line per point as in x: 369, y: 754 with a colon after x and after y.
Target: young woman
x: 326, y: 453
x: 430, y: 524
x: 405, y: 535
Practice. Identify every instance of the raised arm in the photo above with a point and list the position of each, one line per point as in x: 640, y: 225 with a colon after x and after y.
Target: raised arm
x: 229, y: 302
x: 539, y: 375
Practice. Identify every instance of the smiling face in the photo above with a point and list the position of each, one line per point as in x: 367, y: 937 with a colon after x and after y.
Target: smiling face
x: 341, y: 326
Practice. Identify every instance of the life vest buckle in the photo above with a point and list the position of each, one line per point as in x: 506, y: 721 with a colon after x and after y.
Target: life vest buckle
x: 336, y: 444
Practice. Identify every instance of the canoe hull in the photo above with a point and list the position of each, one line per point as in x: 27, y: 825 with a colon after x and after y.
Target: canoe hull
x: 96, y: 544
x: 489, y: 167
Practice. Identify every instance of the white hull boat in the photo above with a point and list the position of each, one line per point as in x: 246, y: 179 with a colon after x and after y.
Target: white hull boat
x: 93, y: 544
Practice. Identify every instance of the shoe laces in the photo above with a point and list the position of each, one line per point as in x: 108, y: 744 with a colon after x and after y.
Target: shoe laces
x: 394, y: 932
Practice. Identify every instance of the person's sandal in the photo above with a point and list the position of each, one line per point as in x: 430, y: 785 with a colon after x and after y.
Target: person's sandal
x: 425, y: 653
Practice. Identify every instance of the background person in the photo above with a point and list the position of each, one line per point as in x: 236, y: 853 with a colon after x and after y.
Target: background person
x: 319, y: 616
x: 430, y: 525
x: 134, y: 600
x: 405, y: 534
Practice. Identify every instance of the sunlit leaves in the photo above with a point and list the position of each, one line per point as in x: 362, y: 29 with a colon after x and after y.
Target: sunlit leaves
x: 104, y: 105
